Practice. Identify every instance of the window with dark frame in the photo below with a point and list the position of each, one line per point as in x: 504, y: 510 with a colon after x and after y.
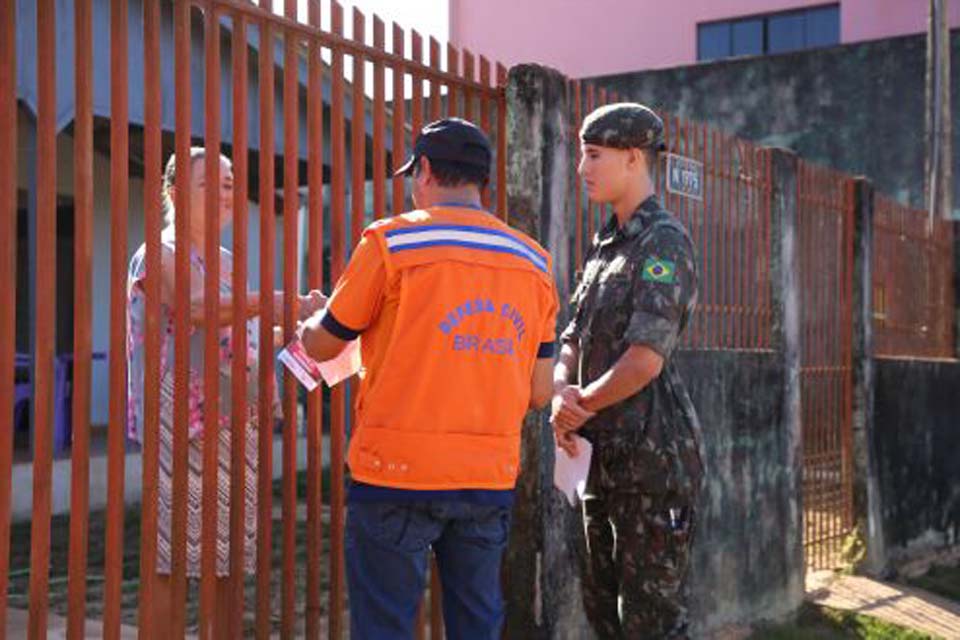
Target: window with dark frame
x: 780, y: 32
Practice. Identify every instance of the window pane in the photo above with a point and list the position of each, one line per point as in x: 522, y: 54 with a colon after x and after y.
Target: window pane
x: 713, y: 41
x: 786, y: 32
x: 823, y: 27
x: 748, y: 37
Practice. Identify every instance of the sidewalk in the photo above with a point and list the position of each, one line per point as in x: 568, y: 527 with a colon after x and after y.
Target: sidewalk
x: 899, y: 604
x: 17, y: 626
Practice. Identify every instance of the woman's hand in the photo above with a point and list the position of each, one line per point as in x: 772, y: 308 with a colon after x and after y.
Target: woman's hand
x: 311, y: 303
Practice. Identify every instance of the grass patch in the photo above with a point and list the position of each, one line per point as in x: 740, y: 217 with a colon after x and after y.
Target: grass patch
x: 822, y: 623
x: 943, y: 581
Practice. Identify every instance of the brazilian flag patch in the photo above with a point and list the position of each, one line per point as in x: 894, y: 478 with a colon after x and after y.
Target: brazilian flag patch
x: 659, y: 270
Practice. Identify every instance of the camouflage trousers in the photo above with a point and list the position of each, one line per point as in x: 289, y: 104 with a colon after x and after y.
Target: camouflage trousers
x: 634, y: 578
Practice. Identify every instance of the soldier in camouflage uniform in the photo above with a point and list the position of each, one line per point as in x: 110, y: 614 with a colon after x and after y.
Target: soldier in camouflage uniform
x: 616, y: 386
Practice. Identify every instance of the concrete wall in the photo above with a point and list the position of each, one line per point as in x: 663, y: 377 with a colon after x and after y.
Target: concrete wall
x: 610, y: 36
x: 858, y: 108
x: 744, y: 566
x: 916, y: 439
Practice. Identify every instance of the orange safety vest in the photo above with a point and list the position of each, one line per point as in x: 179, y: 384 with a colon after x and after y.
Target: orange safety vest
x: 467, y: 305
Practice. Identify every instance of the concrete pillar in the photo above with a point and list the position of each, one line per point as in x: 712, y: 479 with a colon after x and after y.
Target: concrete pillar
x: 866, y: 486
x: 541, y: 579
x: 785, y: 278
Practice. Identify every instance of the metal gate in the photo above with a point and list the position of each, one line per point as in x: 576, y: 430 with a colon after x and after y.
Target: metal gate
x: 291, y: 90
x: 825, y: 202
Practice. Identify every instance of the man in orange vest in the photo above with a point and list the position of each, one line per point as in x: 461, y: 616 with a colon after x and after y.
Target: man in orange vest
x: 457, y: 313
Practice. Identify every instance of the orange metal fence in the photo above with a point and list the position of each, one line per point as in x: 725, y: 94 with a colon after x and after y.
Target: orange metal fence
x: 729, y: 225
x: 913, y: 294
x: 365, y: 145
x: 825, y: 228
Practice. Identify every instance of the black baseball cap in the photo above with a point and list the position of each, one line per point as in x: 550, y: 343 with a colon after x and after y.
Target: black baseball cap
x: 452, y: 139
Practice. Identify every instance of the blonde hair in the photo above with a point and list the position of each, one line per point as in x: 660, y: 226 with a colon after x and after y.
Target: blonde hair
x: 170, y: 179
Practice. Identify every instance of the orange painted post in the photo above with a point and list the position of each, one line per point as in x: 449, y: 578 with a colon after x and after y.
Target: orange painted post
x: 358, y: 141
x: 119, y: 203
x: 238, y: 333
x: 264, y: 623
x: 315, y: 281
x: 45, y: 313
x: 337, y: 263
x: 453, y: 67
x: 379, y: 124
x: 291, y: 208
x: 435, y: 86
x: 182, y: 327
x: 469, y: 74
x: 211, y: 346
x: 436, y: 599
x: 416, y: 109
x: 82, y: 316
x: 485, y: 115
x: 502, y: 142
x: 399, y: 119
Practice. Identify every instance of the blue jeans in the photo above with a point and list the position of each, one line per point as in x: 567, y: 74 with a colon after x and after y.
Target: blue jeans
x: 386, y: 545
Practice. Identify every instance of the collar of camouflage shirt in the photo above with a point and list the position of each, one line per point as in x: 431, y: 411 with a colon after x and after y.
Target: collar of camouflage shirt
x: 612, y: 231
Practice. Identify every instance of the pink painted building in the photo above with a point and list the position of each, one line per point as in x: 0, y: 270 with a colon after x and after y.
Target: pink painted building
x: 597, y: 37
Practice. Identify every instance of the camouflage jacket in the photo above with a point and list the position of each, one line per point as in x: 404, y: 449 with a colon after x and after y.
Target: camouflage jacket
x: 639, y: 286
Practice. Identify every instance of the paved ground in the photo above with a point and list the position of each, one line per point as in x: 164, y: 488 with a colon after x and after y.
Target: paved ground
x: 57, y: 627
x: 906, y: 606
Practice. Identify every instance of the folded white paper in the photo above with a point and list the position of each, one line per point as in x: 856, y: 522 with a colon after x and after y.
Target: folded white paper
x: 310, y: 372
x: 570, y: 474
x: 343, y: 366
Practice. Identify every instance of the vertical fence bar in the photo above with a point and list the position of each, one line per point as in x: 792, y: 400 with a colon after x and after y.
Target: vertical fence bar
x: 469, y: 73
x: 315, y: 281
x: 358, y: 142
x: 848, y: 360
x: 591, y: 104
x: 577, y: 182
x: 453, y: 67
x: 399, y: 119
x: 178, y: 581
x: 435, y: 85
x: 82, y: 314
x: 240, y: 412
x: 485, y: 116
x: 153, y: 169
x: 379, y: 124
x: 337, y: 261
x: 211, y: 344
x: 767, y: 244
x: 45, y: 308
x: 416, y: 109
x: 8, y: 262
x: 267, y: 301
x: 502, y: 142
x: 119, y: 203
x: 291, y: 206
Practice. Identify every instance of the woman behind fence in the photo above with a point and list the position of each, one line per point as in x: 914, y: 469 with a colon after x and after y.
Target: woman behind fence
x: 135, y: 355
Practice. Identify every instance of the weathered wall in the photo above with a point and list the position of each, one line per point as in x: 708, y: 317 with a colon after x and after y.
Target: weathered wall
x: 916, y: 440
x: 745, y: 566
x: 858, y: 107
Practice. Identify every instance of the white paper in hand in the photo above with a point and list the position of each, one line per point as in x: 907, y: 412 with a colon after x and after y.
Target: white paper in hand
x: 343, y: 366
x: 570, y: 474
x: 310, y: 372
